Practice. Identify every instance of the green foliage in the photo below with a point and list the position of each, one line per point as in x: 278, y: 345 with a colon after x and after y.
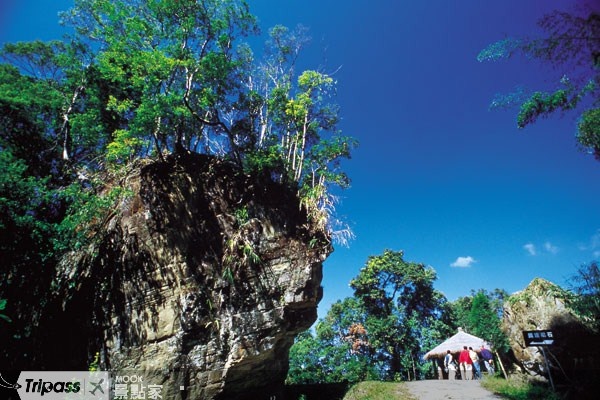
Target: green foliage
x: 316, y: 360
x: 86, y: 215
x: 304, y: 361
x: 480, y: 314
x: 542, y: 288
x: 228, y: 274
x: 571, y: 46
x: 387, y: 280
x: 586, y: 287
x: 242, y: 216
x: 394, y: 317
x: 461, y: 308
x: 519, y: 389
x: 337, y: 353
x: 142, y: 79
x: 504, y: 48
x: 26, y: 221
x: 371, y: 390
x: 403, y: 312
x: 173, y: 67
x: 2, y: 308
x: 170, y: 78
x: 589, y: 131
x: 123, y: 147
x: 240, y: 250
x: 301, y: 120
x: 28, y: 111
x: 94, y: 365
x: 540, y: 104
x: 265, y: 161
x: 485, y: 323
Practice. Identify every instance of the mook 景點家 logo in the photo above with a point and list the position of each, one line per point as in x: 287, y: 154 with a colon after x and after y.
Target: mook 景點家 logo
x: 51, y: 385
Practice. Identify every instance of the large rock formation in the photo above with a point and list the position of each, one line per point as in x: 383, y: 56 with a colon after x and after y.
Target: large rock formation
x: 543, y: 305
x: 537, y: 307
x: 200, y: 279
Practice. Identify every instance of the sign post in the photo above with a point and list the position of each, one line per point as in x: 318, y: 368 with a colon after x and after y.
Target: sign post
x: 541, y: 339
x: 538, y: 338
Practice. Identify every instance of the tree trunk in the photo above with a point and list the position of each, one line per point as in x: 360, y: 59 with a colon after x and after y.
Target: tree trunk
x: 302, y: 148
x: 413, y: 366
x: 65, y: 130
x: 396, y: 363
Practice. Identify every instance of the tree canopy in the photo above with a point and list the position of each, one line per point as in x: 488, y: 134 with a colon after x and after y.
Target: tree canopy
x: 394, y: 317
x: 383, y: 331
x: 148, y: 78
x: 585, y: 285
x: 572, y: 46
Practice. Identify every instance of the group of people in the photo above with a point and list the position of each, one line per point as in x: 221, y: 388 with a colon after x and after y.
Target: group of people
x: 469, y: 363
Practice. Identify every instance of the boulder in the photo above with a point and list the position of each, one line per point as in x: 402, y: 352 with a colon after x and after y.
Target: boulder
x: 537, y: 307
x: 198, y: 281
x: 542, y: 305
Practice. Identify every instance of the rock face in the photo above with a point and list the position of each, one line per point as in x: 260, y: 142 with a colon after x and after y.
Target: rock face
x: 535, y: 308
x: 201, y: 279
x: 544, y: 305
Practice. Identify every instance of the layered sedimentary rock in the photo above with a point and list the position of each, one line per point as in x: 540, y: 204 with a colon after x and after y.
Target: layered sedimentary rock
x: 199, y: 281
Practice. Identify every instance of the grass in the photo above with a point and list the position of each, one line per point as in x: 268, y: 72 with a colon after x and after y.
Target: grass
x: 372, y: 390
x: 516, y: 388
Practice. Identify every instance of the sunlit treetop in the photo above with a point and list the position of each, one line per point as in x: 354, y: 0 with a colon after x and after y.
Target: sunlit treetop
x: 146, y: 78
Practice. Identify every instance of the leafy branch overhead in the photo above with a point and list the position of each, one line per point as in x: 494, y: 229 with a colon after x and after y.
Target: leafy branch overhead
x: 571, y: 45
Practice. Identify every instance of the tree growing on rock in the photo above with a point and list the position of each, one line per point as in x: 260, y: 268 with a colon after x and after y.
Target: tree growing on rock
x: 144, y: 78
x: 139, y: 81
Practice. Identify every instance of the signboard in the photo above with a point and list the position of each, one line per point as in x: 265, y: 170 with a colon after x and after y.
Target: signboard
x: 538, y: 338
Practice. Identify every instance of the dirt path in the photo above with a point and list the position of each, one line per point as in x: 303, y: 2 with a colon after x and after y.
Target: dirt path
x: 449, y: 389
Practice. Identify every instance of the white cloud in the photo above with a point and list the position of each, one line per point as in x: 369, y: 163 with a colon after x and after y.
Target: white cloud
x: 547, y: 247
x: 530, y: 247
x: 463, y: 262
x: 593, y: 245
x: 595, y: 241
x: 550, y: 248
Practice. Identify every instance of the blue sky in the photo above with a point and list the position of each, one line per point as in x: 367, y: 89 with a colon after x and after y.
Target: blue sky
x: 456, y: 186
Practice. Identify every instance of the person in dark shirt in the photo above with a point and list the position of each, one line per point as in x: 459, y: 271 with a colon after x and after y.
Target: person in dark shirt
x: 449, y: 365
x: 488, y: 359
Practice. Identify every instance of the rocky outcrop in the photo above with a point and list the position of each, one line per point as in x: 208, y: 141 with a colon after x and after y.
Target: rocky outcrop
x: 543, y: 305
x: 537, y: 307
x: 199, y: 280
